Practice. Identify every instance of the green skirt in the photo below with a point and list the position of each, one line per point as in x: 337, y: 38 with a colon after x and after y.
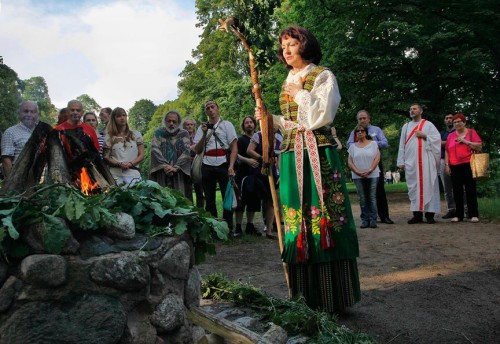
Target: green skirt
x: 327, y: 278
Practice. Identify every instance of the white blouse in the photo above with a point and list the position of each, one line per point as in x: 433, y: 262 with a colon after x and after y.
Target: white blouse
x: 318, y: 107
x: 363, y: 158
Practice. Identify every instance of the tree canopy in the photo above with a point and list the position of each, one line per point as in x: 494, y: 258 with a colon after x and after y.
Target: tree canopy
x: 10, y: 96
x: 140, y: 114
x: 36, y: 89
x: 89, y: 103
x: 386, y: 55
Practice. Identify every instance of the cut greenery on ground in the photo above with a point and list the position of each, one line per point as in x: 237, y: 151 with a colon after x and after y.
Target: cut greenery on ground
x: 294, y: 316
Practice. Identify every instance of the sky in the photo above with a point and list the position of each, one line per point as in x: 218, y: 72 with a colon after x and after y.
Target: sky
x: 116, y: 51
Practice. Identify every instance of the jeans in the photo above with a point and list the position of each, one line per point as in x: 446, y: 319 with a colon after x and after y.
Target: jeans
x: 447, y: 186
x: 211, y: 175
x: 366, y: 188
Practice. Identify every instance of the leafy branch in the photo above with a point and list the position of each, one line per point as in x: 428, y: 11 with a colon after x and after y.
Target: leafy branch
x: 61, y: 208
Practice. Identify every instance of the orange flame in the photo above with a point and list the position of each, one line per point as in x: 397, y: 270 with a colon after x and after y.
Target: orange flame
x: 86, y: 184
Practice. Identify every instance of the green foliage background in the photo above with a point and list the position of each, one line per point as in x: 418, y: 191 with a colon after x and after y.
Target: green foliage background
x: 385, y: 55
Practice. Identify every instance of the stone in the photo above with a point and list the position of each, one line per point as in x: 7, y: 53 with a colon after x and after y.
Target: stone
x: 247, y: 322
x: 169, y: 315
x: 276, y: 335
x: 126, y: 273
x: 71, y: 246
x: 162, y: 285
x: 297, y: 340
x: 100, y: 245
x: 4, y: 268
x: 198, y: 333
x: 182, y: 335
x: 231, y: 313
x: 45, y: 270
x: 86, y: 319
x: 192, y: 293
x: 124, y: 228
x: 8, y: 292
x: 140, y: 330
x: 33, y: 236
x: 175, y: 262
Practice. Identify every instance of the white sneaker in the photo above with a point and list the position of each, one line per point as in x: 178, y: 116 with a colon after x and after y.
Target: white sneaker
x: 474, y: 219
x: 455, y: 219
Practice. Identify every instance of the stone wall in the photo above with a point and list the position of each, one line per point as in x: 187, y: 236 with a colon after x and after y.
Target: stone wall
x: 115, y: 287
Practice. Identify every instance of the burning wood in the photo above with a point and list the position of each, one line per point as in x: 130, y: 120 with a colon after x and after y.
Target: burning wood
x: 45, y: 159
x: 86, y: 184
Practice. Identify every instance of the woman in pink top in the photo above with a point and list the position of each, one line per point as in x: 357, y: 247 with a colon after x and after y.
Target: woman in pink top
x: 458, y: 151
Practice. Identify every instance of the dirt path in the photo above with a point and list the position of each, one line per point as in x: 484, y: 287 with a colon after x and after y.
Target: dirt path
x: 420, y: 283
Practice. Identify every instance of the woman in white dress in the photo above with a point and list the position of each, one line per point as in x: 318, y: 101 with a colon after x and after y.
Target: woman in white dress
x: 123, y: 149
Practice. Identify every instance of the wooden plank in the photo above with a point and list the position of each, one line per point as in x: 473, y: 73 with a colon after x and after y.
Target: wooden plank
x: 232, y: 332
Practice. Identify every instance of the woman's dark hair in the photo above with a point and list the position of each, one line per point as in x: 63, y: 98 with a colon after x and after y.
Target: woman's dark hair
x: 310, y: 50
x: 363, y: 127
x: 90, y: 113
x: 107, y: 110
x: 243, y: 123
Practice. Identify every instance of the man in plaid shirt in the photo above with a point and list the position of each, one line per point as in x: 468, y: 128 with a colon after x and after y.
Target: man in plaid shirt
x: 15, y: 137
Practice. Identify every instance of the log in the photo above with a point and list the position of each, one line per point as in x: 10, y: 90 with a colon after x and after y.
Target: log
x: 232, y: 332
x: 44, y: 159
x: 23, y: 174
x: 58, y: 171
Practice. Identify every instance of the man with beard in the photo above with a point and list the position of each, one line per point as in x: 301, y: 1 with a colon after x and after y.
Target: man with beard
x: 170, y: 156
x: 252, y: 204
x: 15, y: 137
x: 445, y: 178
x: 419, y: 156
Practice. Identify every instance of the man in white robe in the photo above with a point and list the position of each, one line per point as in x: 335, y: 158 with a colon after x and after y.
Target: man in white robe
x: 419, y: 155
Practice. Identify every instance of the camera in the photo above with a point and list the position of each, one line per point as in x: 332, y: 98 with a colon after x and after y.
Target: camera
x: 210, y: 125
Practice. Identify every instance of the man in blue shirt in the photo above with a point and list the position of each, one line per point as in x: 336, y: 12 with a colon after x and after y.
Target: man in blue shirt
x: 378, y: 136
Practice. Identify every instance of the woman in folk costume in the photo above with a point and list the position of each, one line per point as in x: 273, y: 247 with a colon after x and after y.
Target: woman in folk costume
x: 321, y: 244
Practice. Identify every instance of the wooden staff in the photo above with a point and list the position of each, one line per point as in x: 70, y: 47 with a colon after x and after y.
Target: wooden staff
x: 266, y: 125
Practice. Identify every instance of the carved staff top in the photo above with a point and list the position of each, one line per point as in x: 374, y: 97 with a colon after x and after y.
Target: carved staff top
x: 266, y: 123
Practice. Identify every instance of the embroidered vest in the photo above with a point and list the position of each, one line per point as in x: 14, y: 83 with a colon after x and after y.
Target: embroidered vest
x: 289, y: 109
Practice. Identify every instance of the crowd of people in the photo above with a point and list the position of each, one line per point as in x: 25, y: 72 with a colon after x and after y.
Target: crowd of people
x: 320, y: 240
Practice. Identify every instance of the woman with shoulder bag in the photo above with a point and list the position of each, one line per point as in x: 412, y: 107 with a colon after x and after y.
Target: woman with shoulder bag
x: 458, y: 151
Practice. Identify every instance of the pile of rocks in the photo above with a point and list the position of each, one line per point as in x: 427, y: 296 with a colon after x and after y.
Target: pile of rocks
x: 113, y: 287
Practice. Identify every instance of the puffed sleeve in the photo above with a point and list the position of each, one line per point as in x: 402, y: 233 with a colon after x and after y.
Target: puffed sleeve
x: 318, y: 107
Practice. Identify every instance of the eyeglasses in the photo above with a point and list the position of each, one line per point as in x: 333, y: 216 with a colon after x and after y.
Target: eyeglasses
x: 360, y: 131
x: 456, y: 122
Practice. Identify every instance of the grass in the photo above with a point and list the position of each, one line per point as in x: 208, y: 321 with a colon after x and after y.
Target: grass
x: 488, y: 207
x: 394, y: 187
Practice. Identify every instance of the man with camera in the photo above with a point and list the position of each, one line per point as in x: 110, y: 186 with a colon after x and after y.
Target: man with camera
x: 218, y: 139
